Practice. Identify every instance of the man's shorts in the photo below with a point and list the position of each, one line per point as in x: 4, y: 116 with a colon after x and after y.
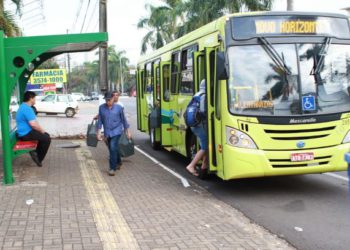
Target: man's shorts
x: 200, y: 132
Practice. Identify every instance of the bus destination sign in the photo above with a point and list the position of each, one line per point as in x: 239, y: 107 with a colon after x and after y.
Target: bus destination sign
x: 249, y: 27
x: 291, y: 27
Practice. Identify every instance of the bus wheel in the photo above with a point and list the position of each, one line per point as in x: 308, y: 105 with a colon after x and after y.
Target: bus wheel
x: 152, y: 138
x: 191, y: 146
x: 202, y: 173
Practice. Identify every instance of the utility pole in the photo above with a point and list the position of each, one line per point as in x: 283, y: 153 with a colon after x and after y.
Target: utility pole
x: 103, y: 48
x: 121, y: 74
x: 69, y: 77
x: 290, y: 5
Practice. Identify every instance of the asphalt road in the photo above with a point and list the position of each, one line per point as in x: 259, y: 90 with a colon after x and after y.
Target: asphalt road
x: 309, y: 211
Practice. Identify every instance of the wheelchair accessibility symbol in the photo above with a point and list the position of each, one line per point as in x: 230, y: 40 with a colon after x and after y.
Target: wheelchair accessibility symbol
x: 309, y: 103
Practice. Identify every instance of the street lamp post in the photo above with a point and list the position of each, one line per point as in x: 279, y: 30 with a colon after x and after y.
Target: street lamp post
x: 121, y: 74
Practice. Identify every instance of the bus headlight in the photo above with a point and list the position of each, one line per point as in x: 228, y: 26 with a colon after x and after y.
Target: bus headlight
x: 347, y: 137
x: 239, y: 139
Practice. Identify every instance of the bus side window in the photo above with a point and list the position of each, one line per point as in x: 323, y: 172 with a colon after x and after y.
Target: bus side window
x: 142, y: 83
x: 186, y: 84
x: 212, y: 77
x: 217, y: 99
x: 200, y: 70
x: 175, y: 72
x: 149, y: 78
x: 166, y: 83
x: 157, y: 79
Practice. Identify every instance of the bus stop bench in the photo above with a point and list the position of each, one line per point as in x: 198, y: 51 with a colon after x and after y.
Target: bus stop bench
x: 25, y: 145
x: 21, y: 147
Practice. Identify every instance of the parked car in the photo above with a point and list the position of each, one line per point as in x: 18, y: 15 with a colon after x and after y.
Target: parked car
x: 94, y: 95
x: 13, y: 106
x: 57, y: 104
x: 79, y: 97
x: 88, y: 98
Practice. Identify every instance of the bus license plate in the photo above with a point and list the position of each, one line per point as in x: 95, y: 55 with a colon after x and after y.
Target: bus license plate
x: 302, y: 157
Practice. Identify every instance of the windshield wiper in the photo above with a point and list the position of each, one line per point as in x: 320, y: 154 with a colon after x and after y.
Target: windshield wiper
x: 277, y: 59
x: 323, y: 52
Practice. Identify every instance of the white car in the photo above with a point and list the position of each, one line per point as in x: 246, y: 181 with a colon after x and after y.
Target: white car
x: 79, y: 97
x: 57, y: 104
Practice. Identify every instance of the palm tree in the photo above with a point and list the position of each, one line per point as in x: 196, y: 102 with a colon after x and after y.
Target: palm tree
x: 178, y: 17
x: 92, y: 74
x: 211, y: 10
x: 157, y: 23
x: 197, y: 17
x: 280, y: 87
x: 7, y: 20
x: 248, y: 5
x: 117, y: 65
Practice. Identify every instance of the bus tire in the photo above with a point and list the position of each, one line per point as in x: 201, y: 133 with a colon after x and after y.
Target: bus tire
x: 70, y: 112
x: 191, y: 145
x: 152, y: 137
x: 203, y: 174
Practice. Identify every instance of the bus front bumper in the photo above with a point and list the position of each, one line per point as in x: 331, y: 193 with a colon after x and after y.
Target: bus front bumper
x: 247, y: 163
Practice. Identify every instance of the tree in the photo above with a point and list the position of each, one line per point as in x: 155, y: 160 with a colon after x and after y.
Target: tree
x: 85, y: 78
x: 179, y: 17
x: 211, y: 10
x: 157, y: 23
x: 7, y: 19
x: 49, y: 64
x: 117, y: 64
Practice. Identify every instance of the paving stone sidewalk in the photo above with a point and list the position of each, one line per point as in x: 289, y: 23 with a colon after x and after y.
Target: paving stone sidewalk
x: 71, y: 203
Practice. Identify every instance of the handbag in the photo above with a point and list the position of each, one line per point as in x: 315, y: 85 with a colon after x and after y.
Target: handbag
x: 125, y: 145
x: 91, y: 134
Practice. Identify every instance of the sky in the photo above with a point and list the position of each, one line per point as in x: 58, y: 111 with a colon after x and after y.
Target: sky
x: 123, y: 15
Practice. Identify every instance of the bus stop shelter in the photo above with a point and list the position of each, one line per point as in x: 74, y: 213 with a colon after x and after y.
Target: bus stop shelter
x: 19, y: 57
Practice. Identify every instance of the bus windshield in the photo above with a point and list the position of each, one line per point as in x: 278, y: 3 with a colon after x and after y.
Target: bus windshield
x: 317, y: 80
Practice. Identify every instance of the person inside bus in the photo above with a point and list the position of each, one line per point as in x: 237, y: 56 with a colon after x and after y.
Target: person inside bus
x: 201, y: 132
x: 112, y: 118
x: 28, y: 128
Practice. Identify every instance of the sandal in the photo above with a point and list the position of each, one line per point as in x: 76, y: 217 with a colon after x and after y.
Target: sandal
x: 193, y: 172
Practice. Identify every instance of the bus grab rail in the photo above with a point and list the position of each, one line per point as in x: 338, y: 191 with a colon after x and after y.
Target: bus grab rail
x: 347, y: 159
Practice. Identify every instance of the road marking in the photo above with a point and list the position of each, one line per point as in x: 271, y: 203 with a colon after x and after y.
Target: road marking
x: 337, y: 176
x: 112, y: 228
x: 184, y: 181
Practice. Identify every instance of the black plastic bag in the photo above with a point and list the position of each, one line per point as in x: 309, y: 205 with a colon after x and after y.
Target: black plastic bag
x: 91, y: 134
x: 126, y: 146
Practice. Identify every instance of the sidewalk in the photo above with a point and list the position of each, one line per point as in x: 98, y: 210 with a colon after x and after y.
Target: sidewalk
x: 76, y: 205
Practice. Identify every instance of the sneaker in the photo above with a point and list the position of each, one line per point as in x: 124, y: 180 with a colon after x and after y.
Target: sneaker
x: 111, y: 172
x: 35, y: 158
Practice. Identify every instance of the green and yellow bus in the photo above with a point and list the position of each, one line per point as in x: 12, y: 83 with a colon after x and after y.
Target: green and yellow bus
x: 278, y: 93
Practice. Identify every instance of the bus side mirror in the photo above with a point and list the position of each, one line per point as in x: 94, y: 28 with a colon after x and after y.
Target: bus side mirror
x: 221, y: 72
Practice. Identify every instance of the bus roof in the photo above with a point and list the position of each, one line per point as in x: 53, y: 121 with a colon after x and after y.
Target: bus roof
x: 216, y: 24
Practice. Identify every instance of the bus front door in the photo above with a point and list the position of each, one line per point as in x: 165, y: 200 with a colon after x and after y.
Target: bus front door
x: 142, y: 104
x: 166, y: 117
x: 138, y: 99
x: 213, y: 112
